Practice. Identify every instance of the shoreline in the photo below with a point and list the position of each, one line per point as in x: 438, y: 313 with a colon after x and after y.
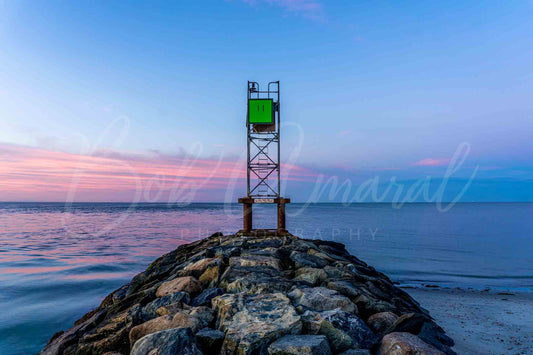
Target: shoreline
x: 481, y: 322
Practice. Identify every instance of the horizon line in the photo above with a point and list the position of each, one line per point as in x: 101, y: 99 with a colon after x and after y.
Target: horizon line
x: 296, y: 202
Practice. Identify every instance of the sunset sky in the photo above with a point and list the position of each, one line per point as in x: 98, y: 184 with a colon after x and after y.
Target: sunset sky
x: 122, y: 101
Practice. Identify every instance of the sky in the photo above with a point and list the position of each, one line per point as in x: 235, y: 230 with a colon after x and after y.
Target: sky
x: 146, y: 101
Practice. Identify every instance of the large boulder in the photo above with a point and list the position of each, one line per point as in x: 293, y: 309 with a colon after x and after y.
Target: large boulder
x: 344, y: 287
x: 206, y: 270
x: 309, y: 275
x: 300, y: 344
x: 380, y: 322
x: 368, y: 305
x: 187, y: 284
x: 409, y: 322
x: 204, y: 314
x: 179, y: 320
x: 198, y: 267
x: 60, y: 341
x: 150, y: 310
x: 321, y: 299
x: 434, y: 335
x: 253, y: 279
x: 405, y: 344
x: 307, y: 260
x: 167, y: 342
x: 256, y: 260
x: 210, y: 340
x: 204, y: 298
x: 251, y: 322
x: 345, y: 330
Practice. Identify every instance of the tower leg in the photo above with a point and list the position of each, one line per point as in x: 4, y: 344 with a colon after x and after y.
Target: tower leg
x: 247, y: 217
x: 281, y: 217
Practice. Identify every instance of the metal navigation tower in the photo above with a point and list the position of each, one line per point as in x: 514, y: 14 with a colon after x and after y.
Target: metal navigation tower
x: 262, y: 125
x: 263, y: 152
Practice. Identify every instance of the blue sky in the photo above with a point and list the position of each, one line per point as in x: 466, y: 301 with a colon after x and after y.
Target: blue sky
x: 370, y: 89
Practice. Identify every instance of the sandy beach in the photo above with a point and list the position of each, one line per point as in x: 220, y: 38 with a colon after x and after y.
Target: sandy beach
x: 481, y: 322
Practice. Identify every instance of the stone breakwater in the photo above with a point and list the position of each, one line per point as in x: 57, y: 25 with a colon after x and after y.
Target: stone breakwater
x: 266, y: 294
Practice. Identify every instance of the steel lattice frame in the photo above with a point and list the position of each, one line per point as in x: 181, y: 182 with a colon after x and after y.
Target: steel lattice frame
x: 263, y: 165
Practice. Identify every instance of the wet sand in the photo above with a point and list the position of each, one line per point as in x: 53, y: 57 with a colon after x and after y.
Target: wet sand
x: 481, y: 322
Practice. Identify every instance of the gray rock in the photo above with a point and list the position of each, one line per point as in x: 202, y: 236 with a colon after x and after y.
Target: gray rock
x: 256, y: 260
x: 149, y: 311
x: 321, y: 299
x: 259, y: 285
x: 368, y: 305
x: 300, y: 344
x: 273, y: 252
x: 167, y: 342
x: 198, y: 267
x: 356, y: 352
x: 307, y: 260
x: 302, y: 245
x: 342, y: 253
x: 344, y: 287
x: 253, y: 279
x: 434, y: 335
x: 224, y: 252
x: 60, y: 341
x: 310, y: 275
x: 345, y: 330
x: 382, y: 321
x: 410, y: 322
x: 179, y: 320
x: 337, y: 272
x: 331, y: 258
x: 204, y: 314
x: 210, y: 340
x: 188, y: 284
x: 405, y: 344
x: 204, y: 298
x: 251, y: 322
x: 264, y: 243
x: 311, y: 322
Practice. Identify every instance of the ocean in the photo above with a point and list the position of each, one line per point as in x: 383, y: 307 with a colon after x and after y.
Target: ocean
x: 58, y: 261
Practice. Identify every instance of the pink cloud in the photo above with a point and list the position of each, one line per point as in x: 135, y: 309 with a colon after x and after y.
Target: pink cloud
x: 432, y: 162
x: 344, y: 133
x: 385, y: 169
x: 34, y: 174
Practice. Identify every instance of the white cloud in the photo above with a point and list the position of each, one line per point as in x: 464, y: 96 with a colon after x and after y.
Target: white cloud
x: 307, y: 8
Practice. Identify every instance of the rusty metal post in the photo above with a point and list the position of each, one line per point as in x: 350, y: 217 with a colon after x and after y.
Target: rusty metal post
x: 247, y: 213
x: 281, y: 216
x: 282, y: 228
x: 247, y: 217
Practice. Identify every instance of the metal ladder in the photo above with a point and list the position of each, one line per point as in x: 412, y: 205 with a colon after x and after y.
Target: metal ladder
x: 263, y: 160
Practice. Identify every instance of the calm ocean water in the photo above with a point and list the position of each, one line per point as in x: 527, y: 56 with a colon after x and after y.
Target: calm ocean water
x: 58, y: 262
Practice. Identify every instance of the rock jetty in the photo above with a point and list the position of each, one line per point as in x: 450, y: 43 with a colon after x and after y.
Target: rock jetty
x: 256, y: 294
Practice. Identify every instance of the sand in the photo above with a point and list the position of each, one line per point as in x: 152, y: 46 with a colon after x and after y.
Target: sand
x: 482, y: 322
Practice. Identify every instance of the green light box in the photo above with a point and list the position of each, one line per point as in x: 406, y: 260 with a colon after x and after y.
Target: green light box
x: 260, y: 111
